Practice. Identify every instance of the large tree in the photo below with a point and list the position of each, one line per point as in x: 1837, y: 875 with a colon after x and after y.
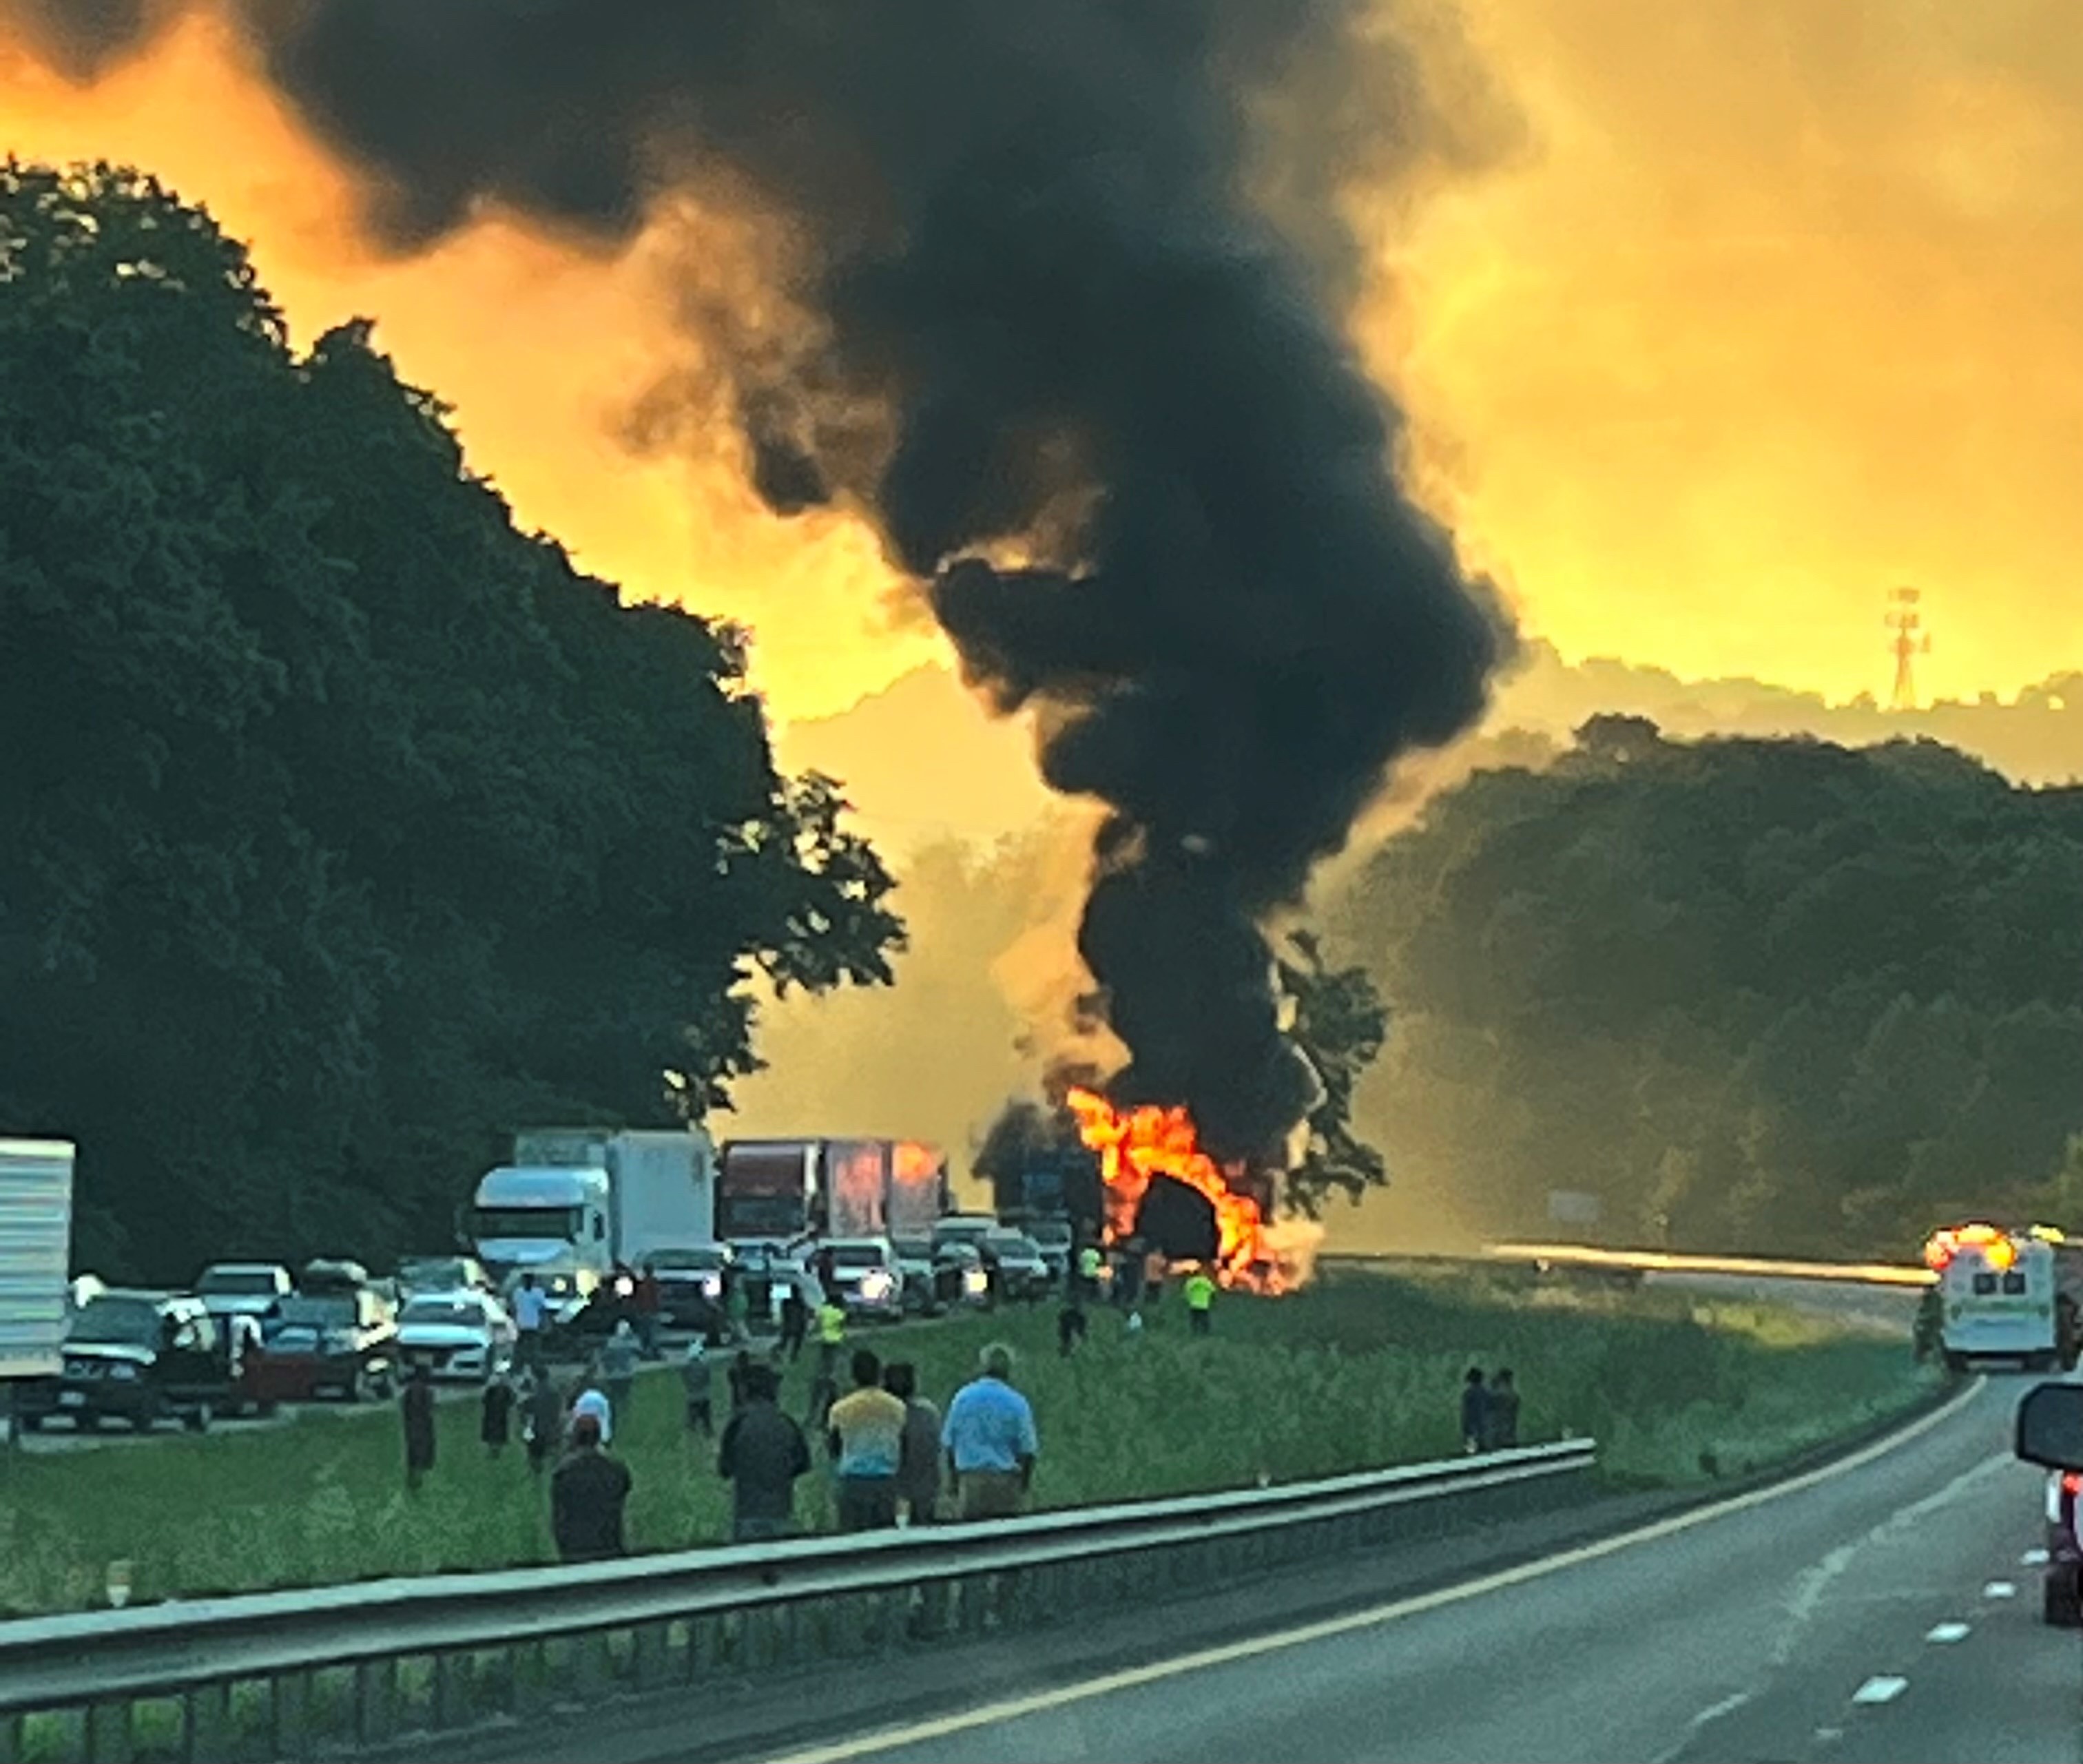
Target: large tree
x: 347, y: 826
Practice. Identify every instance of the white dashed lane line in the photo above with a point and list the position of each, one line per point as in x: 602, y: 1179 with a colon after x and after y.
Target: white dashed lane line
x: 1947, y: 1632
x: 1880, y: 1689
x: 2000, y: 1589
x: 2033, y: 1558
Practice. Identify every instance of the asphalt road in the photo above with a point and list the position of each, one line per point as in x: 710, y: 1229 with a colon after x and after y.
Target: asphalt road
x: 1884, y: 1608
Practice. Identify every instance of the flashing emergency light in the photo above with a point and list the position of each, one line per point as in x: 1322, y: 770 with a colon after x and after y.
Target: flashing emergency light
x: 2001, y: 1254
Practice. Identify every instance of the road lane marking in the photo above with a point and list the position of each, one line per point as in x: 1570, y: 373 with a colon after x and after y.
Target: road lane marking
x: 1812, y: 1583
x: 1947, y: 1632
x: 1326, y: 1629
x: 2000, y: 1589
x: 1881, y: 1690
x: 2033, y: 1558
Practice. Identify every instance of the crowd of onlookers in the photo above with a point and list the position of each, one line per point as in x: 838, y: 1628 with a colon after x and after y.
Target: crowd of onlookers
x: 895, y: 1458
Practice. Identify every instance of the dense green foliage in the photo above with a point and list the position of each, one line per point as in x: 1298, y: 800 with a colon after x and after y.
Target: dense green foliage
x: 346, y: 827
x: 1764, y: 994
x: 1355, y: 1372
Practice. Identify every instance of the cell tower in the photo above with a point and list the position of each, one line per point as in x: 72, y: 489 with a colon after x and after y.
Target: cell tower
x: 1904, y: 620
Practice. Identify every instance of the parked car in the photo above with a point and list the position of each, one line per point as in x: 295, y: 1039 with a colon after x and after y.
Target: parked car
x: 690, y: 1283
x: 960, y: 1277
x: 340, y: 1344
x: 464, y: 1334
x: 139, y: 1357
x: 914, y: 1265
x: 1016, y: 1258
x: 1054, y: 1239
x: 418, y: 1274
x: 243, y: 1289
x: 969, y: 1228
x: 865, y: 1278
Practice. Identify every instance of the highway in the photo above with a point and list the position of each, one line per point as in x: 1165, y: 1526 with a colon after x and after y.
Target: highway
x: 1884, y: 1608
x: 1881, y: 1608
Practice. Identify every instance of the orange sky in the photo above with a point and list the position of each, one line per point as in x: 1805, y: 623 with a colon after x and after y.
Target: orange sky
x: 1773, y: 312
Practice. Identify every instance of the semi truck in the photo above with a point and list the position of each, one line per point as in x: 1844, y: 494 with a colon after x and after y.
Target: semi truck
x: 35, y: 1254
x: 783, y: 1190
x: 577, y: 1202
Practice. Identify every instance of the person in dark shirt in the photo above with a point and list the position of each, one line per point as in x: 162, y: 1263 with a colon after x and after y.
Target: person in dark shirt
x: 417, y: 1407
x: 544, y: 1424
x: 1501, y: 1411
x: 1475, y: 1412
x: 587, y: 1495
x: 495, y: 1425
x: 761, y: 1453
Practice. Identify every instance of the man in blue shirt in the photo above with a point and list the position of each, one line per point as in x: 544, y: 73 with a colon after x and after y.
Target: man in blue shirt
x: 989, y: 1438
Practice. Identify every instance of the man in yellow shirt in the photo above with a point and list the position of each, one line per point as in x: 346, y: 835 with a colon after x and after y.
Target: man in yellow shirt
x: 866, y: 1434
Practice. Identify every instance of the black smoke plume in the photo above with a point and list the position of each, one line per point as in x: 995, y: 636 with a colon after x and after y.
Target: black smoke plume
x: 1068, y: 277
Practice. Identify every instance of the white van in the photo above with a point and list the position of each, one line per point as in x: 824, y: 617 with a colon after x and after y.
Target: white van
x: 1996, y: 1292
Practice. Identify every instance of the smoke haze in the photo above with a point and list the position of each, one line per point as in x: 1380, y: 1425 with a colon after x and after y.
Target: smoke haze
x: 1026, y: 303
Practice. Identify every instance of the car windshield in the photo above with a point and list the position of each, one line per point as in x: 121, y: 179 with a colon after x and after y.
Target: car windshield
x: 913, y: 1249
x: 238, y: 1282
x: 134, y: 1322
x: 302, y: 1311
x: 857, y: 1255
x: 668, y: 1261
x: 1055, y: 1231
x: 436, y: 1271
x: 453, y: 1311
x: 1012, y: 1243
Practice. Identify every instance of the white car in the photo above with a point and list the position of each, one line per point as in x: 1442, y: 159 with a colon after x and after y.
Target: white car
x: 867, y: 1278
x: 459, y: 1334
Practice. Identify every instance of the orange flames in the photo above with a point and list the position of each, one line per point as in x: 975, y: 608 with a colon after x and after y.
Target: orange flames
x: 1136, y: 1145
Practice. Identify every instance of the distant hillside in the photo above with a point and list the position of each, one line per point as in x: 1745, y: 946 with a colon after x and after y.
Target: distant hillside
x: 922, y: 761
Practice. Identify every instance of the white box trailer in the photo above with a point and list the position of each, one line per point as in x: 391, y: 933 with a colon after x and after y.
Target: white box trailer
x: 35, y: 1252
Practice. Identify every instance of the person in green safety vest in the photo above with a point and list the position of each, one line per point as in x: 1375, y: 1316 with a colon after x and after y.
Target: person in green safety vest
x: 1200, y: 1300
x: 831, y: 1335
x: 1089, y: 1263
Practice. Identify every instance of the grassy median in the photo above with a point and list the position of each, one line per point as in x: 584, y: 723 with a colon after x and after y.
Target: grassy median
x: 1359, y: 1370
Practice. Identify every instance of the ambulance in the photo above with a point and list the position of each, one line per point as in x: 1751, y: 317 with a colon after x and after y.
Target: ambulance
x: 1996, y: 1293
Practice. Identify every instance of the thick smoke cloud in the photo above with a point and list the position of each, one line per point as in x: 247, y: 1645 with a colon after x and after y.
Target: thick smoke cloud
x: 1063, y: 279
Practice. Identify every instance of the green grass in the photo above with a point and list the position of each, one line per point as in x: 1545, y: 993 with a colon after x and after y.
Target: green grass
x: 1360, y: 1370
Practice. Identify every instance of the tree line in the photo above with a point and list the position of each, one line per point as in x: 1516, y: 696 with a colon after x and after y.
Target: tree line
x: 346, y: 826
x: 1763, y: 994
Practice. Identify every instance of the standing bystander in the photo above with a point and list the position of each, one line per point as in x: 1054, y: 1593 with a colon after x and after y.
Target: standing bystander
x: 495, y: 1425
x: 1475, y: 1412
x: 694, y: 1380
x: 1501, y: 1411
x: 618, y: 1368
x: 587, y: 1496
x: 990, y: 1439
x: 866, y: 1435
x: 417, y: 1407
x: 531, y: 1313
x: 918, y: 1452
x: 761, y: 1453
x: 1200, y: 1290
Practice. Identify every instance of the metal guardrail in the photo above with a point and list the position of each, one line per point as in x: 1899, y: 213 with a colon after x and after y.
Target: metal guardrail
x: 302, y: 1673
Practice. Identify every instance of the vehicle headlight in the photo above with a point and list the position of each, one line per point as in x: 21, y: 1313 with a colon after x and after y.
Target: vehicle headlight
x: 974, y: 1280
x: 875, y: 1284
x: 122, y: 1368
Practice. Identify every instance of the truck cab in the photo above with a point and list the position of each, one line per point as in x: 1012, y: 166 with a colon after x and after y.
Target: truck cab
x: 527, y: 1217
